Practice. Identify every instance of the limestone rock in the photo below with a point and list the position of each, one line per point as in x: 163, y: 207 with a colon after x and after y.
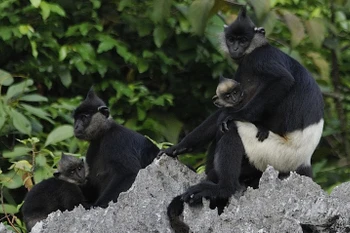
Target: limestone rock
x: 295, y: 205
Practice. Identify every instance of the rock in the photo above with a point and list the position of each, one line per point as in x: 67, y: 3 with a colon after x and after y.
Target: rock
x: 3, y: 228
x: 295, y: 204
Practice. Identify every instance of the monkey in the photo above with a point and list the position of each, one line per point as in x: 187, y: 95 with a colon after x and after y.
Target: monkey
x: 115, y: 153
x: 229, y: 94
x: 280, y: 94
x: 60, y: 192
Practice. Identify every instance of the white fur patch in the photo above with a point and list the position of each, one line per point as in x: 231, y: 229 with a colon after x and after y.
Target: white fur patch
x: 283, y: 153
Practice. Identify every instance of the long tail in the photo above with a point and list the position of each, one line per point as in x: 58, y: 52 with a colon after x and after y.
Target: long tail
x: 174, y: 210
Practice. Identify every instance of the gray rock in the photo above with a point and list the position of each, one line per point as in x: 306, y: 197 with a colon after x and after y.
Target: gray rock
x: 3, y: 228
x: 295, y: 204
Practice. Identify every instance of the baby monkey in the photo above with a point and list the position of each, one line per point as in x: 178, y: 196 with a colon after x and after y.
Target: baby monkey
x: 61, y: 192
x: 229, y: 94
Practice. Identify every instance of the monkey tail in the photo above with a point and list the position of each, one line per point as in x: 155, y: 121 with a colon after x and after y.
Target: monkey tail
x: 174, y: 210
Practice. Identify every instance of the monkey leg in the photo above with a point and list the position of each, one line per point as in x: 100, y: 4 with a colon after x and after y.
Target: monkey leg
x: 227, y: 163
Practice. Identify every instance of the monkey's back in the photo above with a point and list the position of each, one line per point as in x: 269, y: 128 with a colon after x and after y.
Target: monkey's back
x: 304, y: 99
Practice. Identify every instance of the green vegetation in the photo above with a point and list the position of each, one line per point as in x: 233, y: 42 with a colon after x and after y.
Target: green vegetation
x: 156, y: 64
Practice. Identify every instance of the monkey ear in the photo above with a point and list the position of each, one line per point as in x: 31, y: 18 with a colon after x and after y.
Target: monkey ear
x: 104, y: 110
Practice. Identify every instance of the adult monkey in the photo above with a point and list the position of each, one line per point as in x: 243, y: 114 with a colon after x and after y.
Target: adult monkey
x: 115, y: 154
x: 280, y: 94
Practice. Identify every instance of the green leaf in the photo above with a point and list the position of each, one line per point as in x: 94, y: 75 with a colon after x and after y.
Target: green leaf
x: 214, y: 29
x: 198, y: 15
x: 96, y: 4
x: 37, y: 112
x: 86, y: 51
x: 8, y: 209
x: 261, y: 7
x: 34, y: 48
x: 106, y: 45
x: 57, y: 9
x: 18, y: 88
x: 6, y: 78
x: 45, y: 10
x: 269, y: 22
x: 84, y: 28
x: 6, y: 33
x: 33, y: 98
x: 141, y: 114
x: 62, y: 54
x: 321, y: 63
x: 20, y: 122
x: 42, y: 173
x: 159, y: 35
x: 35, y: 3
x: 26, y: 29
x: 295, y: 26
x: 2, y: 116
x: 17, y: 152
x: 11, y: 180
x: 161, y: 10
x: 316, y: 30
x: 22, y: 165
x: 80, y: 65
x: 66, y: 77
x: 59, y: 134
x: 142, y: 65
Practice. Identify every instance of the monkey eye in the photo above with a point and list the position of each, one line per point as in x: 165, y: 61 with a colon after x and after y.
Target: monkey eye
x: 227, y: 96
x: 72, y: 171
x: 84, y: 116
x: 230, y: 40
x: 234, y: 92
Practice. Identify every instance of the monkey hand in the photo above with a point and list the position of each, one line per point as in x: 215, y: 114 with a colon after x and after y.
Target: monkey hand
x: 224, y: 127
x: 206, y: 189
x: 262, y: 134
x: 175, y: 151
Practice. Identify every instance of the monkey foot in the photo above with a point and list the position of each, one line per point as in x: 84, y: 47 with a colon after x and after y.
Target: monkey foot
x: 209, y: 190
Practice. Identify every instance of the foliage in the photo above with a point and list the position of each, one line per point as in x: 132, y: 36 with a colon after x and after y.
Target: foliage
x: 154, y: 62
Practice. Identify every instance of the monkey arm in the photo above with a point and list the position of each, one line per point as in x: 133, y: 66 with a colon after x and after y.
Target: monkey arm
x: 200, y: 136
x: 275, y: 82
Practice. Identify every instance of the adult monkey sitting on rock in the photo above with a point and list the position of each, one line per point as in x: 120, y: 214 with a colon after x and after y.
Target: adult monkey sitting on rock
x: 115, y: 154
x: 280, y: 94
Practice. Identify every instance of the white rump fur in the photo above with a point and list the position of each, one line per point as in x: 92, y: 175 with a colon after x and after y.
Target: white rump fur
x: 283, y: 153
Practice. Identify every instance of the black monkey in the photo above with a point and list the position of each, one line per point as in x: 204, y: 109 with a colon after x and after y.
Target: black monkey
x: 115, y: 154
x: 60, y: 192
x: 280, y: 94
x: 228, y: 94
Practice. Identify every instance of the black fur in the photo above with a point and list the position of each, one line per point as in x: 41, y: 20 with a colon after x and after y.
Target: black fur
x: 115, y: 153
x: 279, y: 93
x: 174, y: 210
x: 61, y: 193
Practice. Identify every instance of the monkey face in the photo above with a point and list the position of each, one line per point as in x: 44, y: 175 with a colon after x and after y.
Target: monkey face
x: 239, y: 35
x: 229, y: 99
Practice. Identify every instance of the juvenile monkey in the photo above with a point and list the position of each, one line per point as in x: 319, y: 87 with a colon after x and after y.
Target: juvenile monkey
x: 229, y: 94
x: 61, y: 192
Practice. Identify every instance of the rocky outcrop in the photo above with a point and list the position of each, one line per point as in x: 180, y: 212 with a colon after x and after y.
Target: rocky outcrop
x: 295, y: 204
